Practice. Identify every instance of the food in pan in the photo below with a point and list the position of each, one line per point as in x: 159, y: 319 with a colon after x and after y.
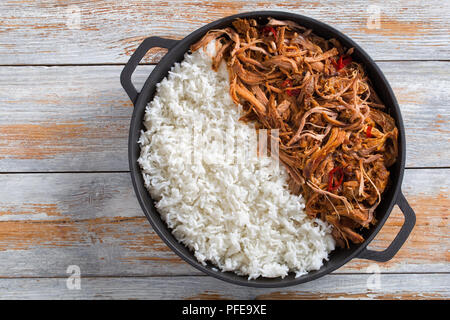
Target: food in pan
x: 236, y: 212
x: 243, y: 213
x: 335, y: 140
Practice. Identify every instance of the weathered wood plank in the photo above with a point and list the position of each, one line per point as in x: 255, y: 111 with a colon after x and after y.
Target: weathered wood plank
x: 64, y: 118
x: 51, y: 221
x: 391, y: 286
x: 77, y: 118
x: 62, y: 32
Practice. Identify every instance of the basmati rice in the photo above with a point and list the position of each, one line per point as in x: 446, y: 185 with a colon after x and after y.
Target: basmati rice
x: 238, y: 215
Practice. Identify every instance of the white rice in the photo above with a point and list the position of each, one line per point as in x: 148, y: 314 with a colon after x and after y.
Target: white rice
x: 238, y: 215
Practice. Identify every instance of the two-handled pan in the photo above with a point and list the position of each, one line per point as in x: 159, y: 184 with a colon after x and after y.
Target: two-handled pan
x: 392, y: 196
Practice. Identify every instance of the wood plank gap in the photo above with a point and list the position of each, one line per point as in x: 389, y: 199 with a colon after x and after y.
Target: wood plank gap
x: 154, y: 64
x: 207, y: 276
x: 426, y: 168
x: 128, y: 171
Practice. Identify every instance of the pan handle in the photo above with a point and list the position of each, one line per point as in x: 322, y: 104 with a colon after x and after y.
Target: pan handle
x: 127, y: 72
x: 408, y: 225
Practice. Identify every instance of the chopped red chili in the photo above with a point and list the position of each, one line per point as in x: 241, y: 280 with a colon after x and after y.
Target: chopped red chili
x: 342, y: 62
x: 267, y: 30
x: 369, y: 132
x: 293, y: 92
x: 290, y: 91
x: 287, y: 83
x: 347, y: 60
x: 332, y: 185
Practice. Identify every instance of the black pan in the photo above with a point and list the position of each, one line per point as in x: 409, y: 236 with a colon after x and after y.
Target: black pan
x: 392, y: 196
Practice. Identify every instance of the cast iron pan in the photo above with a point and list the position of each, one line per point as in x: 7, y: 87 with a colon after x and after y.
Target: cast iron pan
x: 177, y: 49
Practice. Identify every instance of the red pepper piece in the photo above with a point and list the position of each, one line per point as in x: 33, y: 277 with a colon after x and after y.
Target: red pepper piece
x: 369, y: 132
x: 267, y: 30
x: 331, y: 185
x: 287, y: 83
x: 347, y: 60
x: 293, y: 92
x: 342, y: 62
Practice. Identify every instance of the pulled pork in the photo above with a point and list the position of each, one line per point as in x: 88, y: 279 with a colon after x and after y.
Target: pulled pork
x: 334, y: 138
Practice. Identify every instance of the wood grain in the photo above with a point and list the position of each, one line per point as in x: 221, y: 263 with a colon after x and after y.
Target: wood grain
x: 77, y: 118
x: 93, y: 220
x: 87, y: 32
x: 61, y: 117
x: 66, y: 118
x: 391, y: 286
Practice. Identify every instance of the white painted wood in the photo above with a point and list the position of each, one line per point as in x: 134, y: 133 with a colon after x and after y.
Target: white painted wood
x: 108, y: 31
x: 50, y: 221
x: 362, y: 286
x: 77, y: 118
x: 66, y: 118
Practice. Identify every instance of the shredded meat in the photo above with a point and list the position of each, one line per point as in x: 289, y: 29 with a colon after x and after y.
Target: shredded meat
x: 334, y: 140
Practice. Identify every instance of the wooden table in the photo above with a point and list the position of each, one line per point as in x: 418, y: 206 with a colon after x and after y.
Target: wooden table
x: 66, y: 194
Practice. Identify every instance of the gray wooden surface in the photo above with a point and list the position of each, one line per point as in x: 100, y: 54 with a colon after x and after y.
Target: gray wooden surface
x: 66, y: 195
